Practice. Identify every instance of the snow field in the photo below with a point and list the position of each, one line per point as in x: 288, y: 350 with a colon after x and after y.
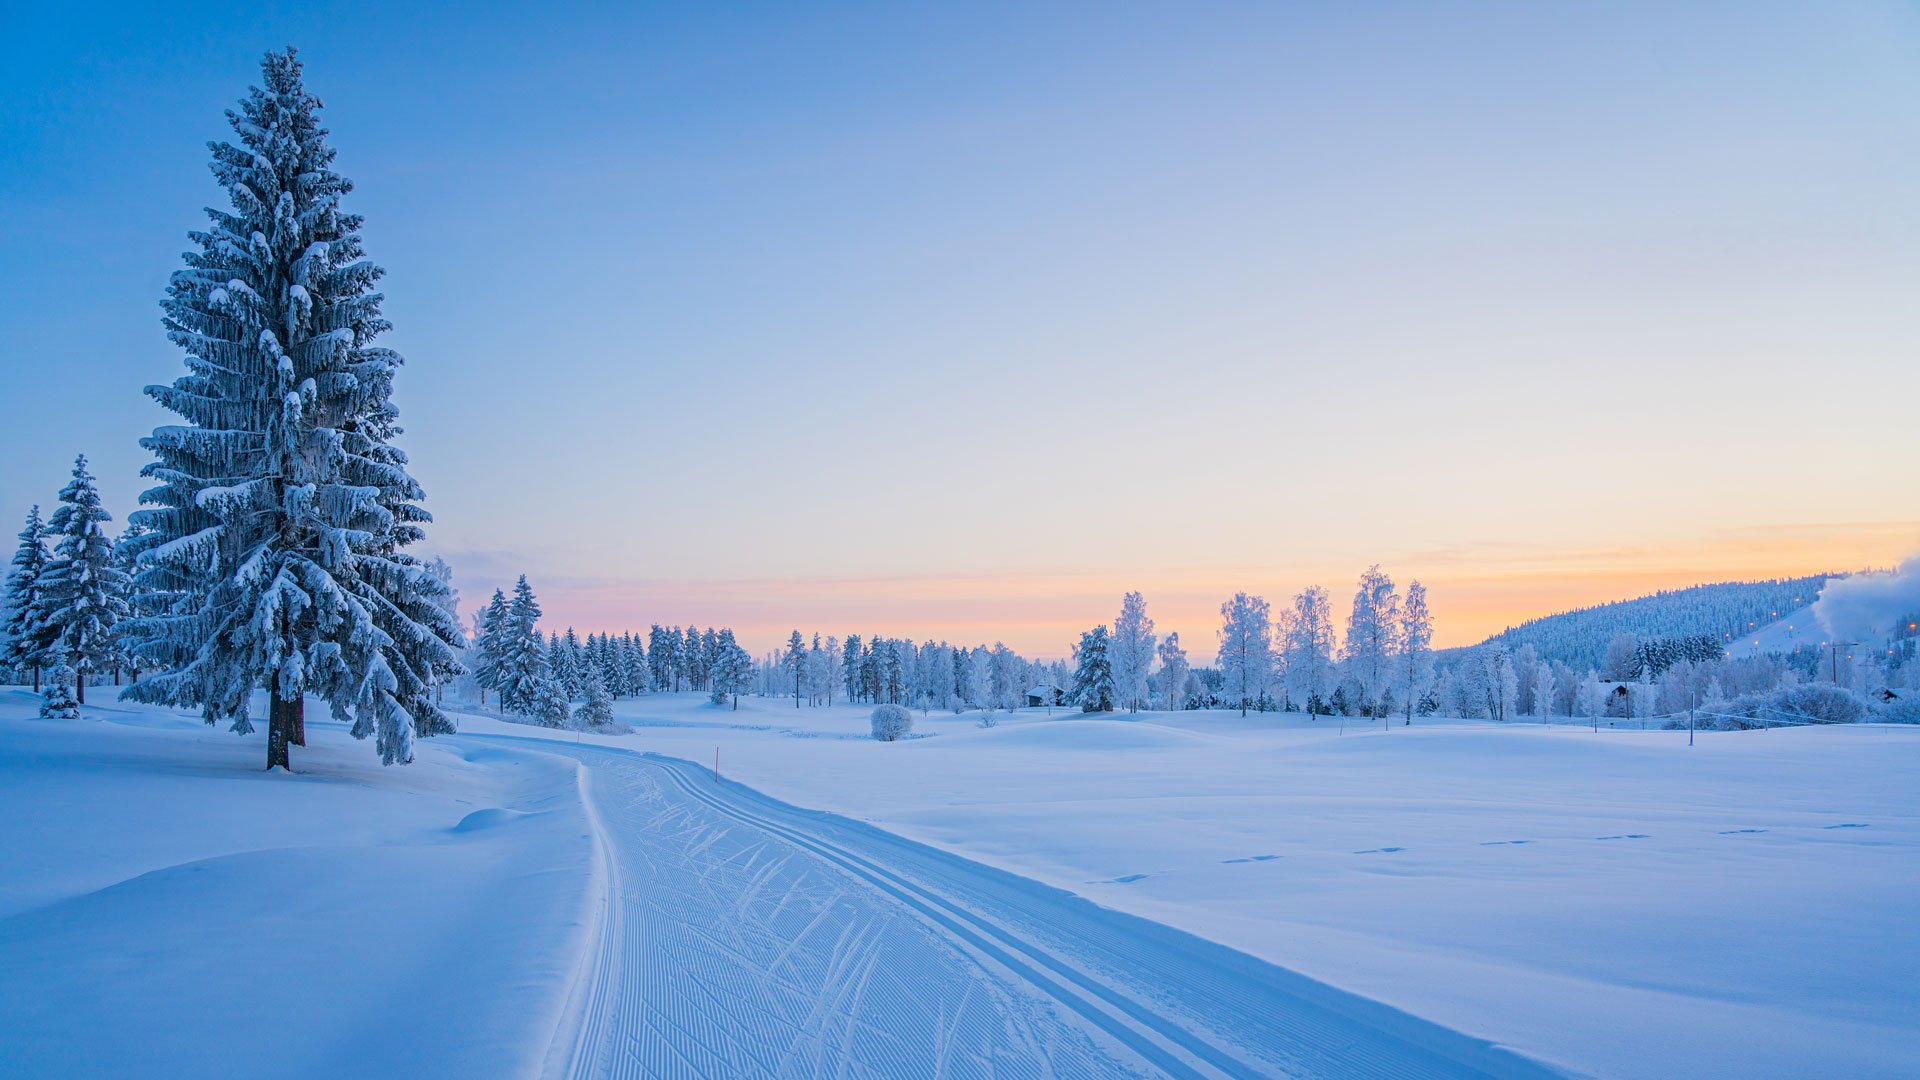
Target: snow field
x: 1589, y: 899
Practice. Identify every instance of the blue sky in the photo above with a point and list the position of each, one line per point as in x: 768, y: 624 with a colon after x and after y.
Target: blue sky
x: 957, y: 321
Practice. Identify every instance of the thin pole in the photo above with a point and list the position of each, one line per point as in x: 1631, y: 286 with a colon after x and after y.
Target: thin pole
x: 1690, y: 707
x: 716, y: 763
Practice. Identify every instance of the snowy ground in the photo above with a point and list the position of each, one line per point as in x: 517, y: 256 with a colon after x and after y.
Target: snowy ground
x: 1612, y: 904
x: 1615, y: 904
x: 167, y: 909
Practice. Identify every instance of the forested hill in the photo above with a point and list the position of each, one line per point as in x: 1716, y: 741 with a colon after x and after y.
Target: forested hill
x: 1579, y: 638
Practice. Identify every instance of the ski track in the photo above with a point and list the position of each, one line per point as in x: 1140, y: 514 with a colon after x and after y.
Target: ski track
x: 736, y: 936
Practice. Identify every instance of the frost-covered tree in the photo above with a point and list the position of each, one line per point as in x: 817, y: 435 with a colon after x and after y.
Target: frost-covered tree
x: 836, y: 666
x: 850, y: 667
x: 126, y: 551
x: 1173, y: 672
x: 596, y: 711
x: 1132, y: 650
x: 58, y: 702
x: 282, y: 508
x: 795, y: 663
x: 521, y: 664
x: 22, y: 641
x: 660, y: 657
x: 1370, y: 644
x: 1093, y: 688
x: 1246, y: 649
x: 731, y: 671
x: 1414, y: 642
x: 82, y: 594
x: 1307, y: 650
x: 1542, y: 691
x: 489, y: 645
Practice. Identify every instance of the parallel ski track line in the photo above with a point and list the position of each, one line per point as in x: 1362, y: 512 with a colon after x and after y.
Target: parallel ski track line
x: 1178, y: 1005
x: 1168, y: 1047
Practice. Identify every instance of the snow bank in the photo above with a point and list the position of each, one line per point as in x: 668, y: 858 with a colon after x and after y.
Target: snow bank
x: 168, y: 909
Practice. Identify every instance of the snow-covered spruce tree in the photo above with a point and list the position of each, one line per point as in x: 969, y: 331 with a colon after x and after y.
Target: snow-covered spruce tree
x: 522, y: 658
x: 597, y: 710
x: 22, y: 642
x: 796, y: 664
x: 58, y: 703
x: 1132, y: 652
x: 1246, y: 649
x: 730, y: 671
x: 1093, y: 688
x: 126, y: 555
x: 282, y: 509
x: 489, y: 639
x: 82, y: 594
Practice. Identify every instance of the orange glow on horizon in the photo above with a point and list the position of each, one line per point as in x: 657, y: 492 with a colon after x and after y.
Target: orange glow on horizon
x: 1041, y: 613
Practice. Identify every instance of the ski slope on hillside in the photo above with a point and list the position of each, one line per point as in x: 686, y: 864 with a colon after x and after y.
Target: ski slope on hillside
x: 744, y: 937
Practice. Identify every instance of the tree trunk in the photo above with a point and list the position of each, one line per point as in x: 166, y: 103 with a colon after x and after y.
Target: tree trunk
x: 80, y: 687
x: 279, y: 727
x: 36, y: 678
x: 297, y: 726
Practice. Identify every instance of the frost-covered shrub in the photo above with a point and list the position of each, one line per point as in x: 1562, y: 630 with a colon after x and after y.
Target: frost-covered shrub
x: 1904, y: 709
x: 58, y: 703
x: 891, y: 722
x: 1808, y: 703
x: 989, y: 719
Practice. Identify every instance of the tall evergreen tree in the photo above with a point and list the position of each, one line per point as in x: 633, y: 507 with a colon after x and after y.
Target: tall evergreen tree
x: 22, y: 642
x: 282, y: 508
x: 1093, y: 685
x: 489, y: 645
x: 82, y: 595
x: 660, y: 657
x: 796, y: 663
x: 731, y: 669
x: 522, y: 662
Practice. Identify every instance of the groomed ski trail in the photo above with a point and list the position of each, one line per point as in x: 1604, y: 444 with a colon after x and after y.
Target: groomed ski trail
x: 737, y: 936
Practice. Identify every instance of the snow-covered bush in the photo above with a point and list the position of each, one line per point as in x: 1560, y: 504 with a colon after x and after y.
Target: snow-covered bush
x: 58, y: 703
x: 1904, y: 709
x: 891, y: 722
x: 1807, y: 703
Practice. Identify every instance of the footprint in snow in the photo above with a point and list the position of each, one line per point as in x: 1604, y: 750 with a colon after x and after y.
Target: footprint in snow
x: 1380, y: 851
x: 1736, y: 832
x: 1624, y: 836
x: 1848, y: 825
x: 1498, y: 843
x: 1252, y: 858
